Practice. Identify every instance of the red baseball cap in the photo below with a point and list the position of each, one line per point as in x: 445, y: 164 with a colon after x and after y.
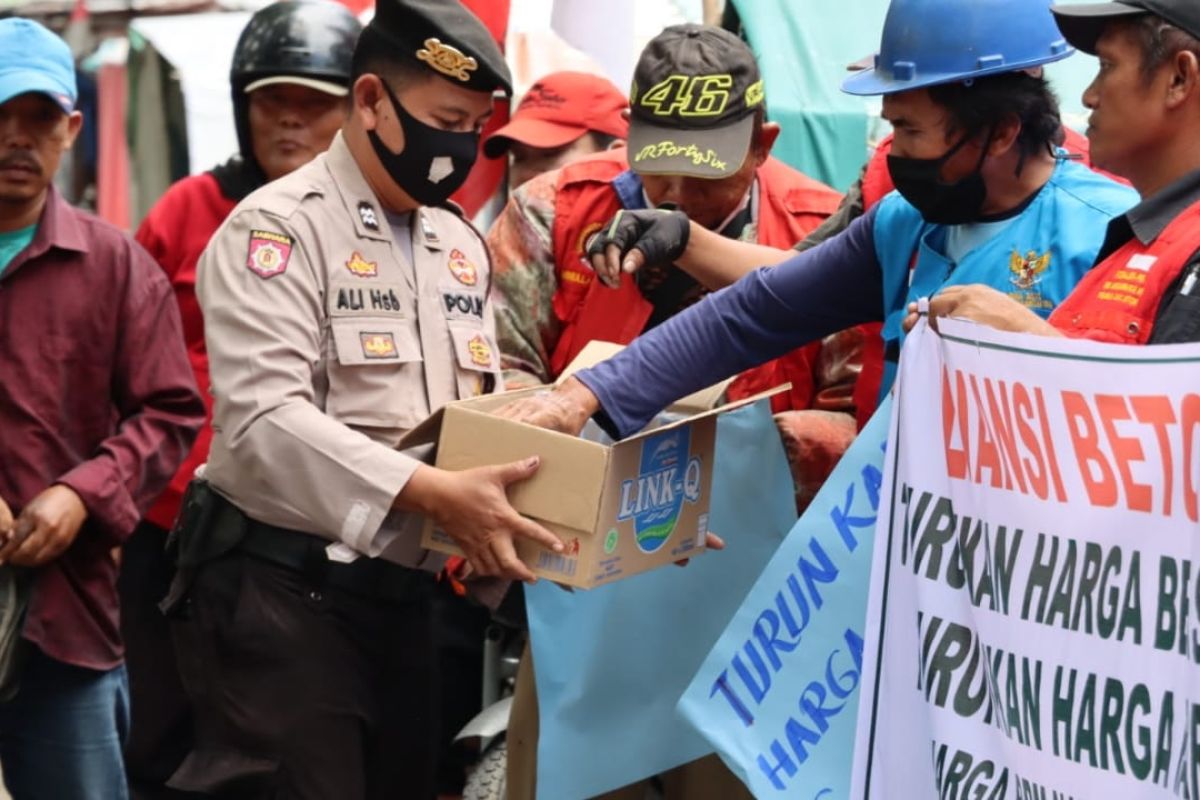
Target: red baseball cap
x: 560, y: 108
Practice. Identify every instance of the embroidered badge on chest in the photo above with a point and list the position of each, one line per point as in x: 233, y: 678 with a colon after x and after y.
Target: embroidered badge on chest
x: 269, y: 253
x: 462, y: 269
x: 366, y: 213
x: 361, y: 267
x: 480, y: 350
x: 1027, y: 272
x: 379, y: 346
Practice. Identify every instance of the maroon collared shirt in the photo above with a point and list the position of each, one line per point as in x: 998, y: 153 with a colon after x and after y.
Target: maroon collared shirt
x: 96, y: 394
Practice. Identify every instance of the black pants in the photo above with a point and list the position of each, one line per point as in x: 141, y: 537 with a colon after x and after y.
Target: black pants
x: 460, y: 625
x: 302, y: 691
x: 161, y: 723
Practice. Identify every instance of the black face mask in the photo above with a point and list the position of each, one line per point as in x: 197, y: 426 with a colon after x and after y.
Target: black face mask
x: 433, y: 163
x: 918, y: 181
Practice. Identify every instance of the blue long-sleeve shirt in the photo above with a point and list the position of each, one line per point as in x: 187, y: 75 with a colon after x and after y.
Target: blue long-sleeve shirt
x: 767, y: 313
x: 886, y: 257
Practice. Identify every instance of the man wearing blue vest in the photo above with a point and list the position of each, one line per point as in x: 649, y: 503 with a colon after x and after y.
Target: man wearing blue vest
x: 984, y: 196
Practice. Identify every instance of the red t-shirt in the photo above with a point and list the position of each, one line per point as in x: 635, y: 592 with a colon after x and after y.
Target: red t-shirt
x: 175, y: 232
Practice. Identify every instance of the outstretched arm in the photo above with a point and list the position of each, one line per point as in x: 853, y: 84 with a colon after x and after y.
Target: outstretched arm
x: 762, y: 316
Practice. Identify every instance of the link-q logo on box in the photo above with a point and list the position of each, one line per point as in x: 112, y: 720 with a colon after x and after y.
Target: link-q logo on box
x: 653, y: 501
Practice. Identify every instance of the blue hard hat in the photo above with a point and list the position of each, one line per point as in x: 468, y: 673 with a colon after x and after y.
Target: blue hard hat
x: 927, y: 42
x: 32, y: 59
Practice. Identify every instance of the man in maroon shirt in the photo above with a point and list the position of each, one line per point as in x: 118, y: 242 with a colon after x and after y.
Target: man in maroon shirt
x: 97, y: 408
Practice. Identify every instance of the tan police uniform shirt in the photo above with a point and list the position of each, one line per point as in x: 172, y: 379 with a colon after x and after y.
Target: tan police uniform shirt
x: 326, y: 345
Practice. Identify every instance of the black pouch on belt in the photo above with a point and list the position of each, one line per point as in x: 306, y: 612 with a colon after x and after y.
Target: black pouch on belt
x: 207, y: 528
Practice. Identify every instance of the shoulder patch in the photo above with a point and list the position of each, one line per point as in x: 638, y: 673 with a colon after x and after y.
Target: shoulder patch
x: 268, y: 253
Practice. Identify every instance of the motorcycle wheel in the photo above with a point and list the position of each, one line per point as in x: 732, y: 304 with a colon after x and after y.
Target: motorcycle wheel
x: 487, y: 778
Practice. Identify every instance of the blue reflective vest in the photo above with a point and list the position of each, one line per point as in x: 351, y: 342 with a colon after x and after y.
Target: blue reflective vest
x: 1036, y: 259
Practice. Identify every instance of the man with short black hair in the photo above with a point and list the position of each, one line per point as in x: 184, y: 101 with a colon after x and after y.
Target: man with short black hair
x: 289, y: 81
x: 343, y: 304
x: 1145, y: 288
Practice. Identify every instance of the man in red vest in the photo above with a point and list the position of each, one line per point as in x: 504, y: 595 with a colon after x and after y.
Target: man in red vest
x: 1145, y: 126
x: 699, y: 142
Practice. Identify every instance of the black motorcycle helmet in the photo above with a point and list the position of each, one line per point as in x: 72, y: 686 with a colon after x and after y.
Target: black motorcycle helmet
x: 309, y: 39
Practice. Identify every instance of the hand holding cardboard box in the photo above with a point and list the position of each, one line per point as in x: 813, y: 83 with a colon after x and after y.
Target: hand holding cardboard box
x: 619, y: 508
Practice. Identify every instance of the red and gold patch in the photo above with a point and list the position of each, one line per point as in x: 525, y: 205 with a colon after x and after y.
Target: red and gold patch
x: 361, y: 267
x: 462, y: 269
x: 378, y: 345
x: 480, y: 350
x: 269, y: 253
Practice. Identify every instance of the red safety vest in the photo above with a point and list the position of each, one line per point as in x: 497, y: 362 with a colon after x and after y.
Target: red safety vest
x: 877, y: 184
x: 1118, y: 300
x: 790, y: 206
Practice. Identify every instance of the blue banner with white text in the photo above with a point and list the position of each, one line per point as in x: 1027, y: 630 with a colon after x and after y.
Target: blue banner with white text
x: 777, y: 697
x: 612, y: 662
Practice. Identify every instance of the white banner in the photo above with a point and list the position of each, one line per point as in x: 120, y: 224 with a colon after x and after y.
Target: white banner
x: 1034, y: 618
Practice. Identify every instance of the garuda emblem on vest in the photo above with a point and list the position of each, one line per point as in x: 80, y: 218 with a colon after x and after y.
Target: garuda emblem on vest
x: 1027, y: 271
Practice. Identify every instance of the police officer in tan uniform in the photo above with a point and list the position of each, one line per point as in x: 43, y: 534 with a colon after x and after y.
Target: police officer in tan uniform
x: 343, y: 304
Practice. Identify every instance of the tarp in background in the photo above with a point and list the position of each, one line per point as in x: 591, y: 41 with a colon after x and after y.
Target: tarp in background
x: 200, y: 49
x: 155, y: 127
x: 803, y: 47
x: 612, y: 662
x: 112, y: 165
x: 180, y: 119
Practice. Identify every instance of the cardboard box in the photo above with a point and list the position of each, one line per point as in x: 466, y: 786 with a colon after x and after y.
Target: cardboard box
x: 620, y: 508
